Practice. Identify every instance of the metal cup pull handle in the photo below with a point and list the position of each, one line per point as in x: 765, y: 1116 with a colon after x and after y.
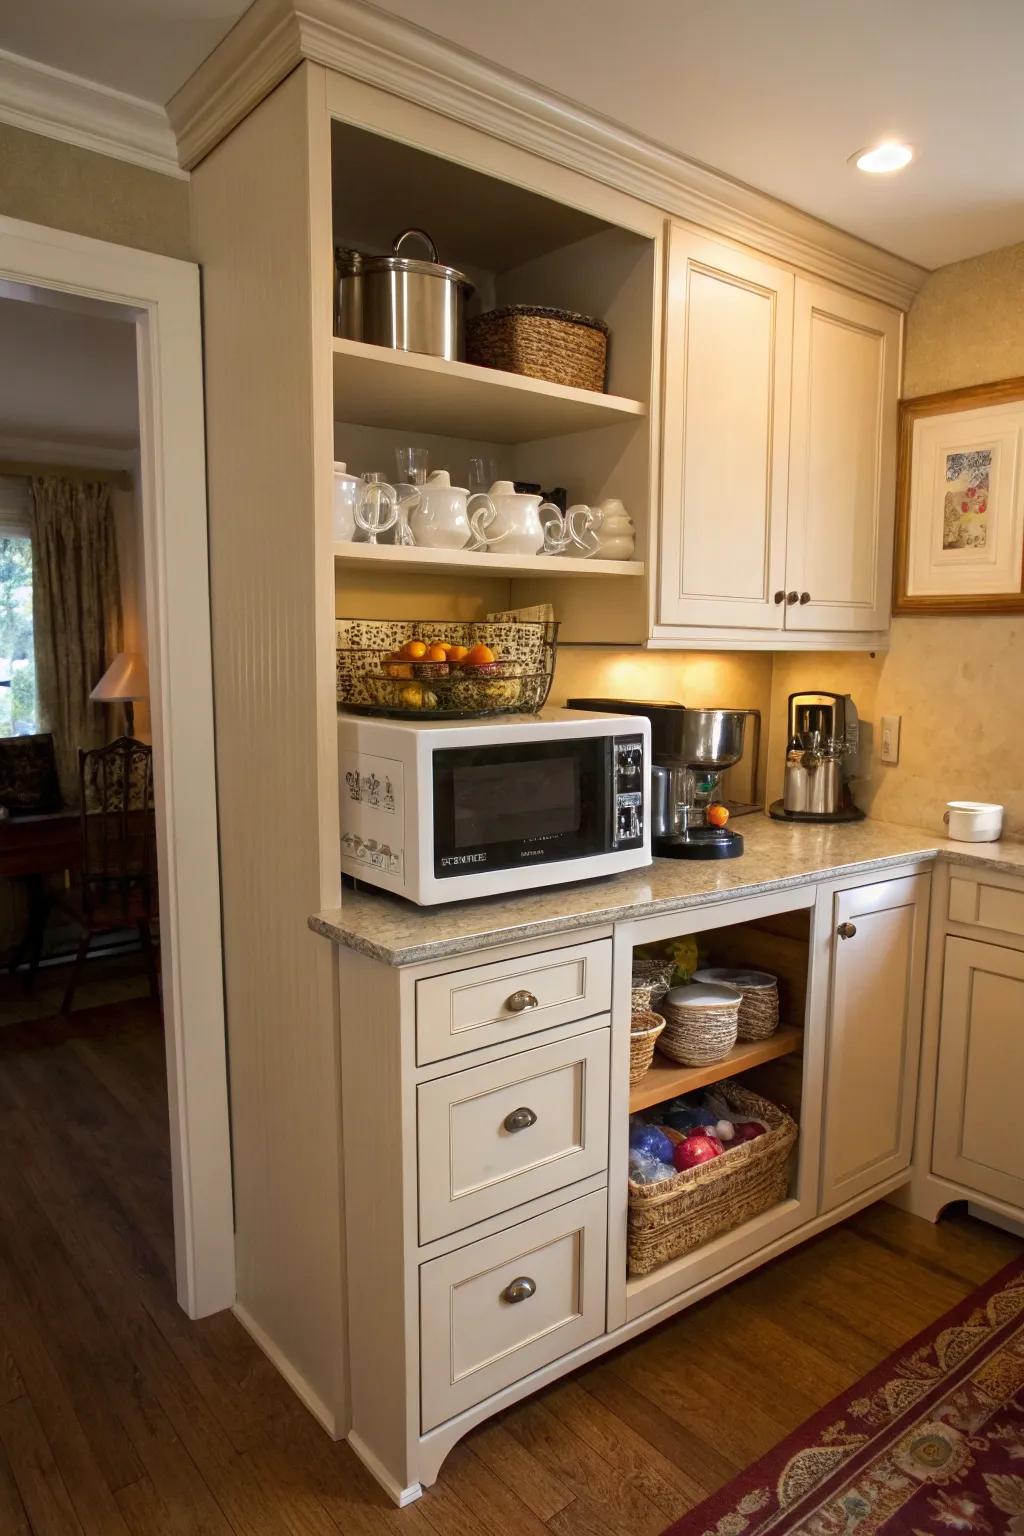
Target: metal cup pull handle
x: 520, y: 1120
x: 846, y: 930
x: 520, y: 1289
x: 519, y: 1002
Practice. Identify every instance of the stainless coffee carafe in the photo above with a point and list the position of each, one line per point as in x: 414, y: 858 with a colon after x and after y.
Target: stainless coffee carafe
x: 821, y: 758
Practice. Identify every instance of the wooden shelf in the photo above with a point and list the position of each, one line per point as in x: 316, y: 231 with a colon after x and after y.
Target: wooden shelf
x: 381, y: 387
x: 666, y: 1079
x: 393, y: 557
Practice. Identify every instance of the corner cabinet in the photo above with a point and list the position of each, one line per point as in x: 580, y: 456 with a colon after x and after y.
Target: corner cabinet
x: 779, y: 452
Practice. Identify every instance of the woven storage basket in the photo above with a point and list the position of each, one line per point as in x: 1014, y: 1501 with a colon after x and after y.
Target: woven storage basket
x: 677, y: 1215
x: 644, y: 1030
x: 651, y: 980
x: 552, y: 344
x: 697, y: 1034
x: 759, y: 1010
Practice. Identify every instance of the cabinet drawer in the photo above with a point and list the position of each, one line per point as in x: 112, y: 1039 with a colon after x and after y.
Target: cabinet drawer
x: 987, y: 902
x: 493, y: 1137
x: 475, y: 1339
x: 489, y: 1004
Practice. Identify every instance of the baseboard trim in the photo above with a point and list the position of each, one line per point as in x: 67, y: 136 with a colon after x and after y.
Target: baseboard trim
x: 324, y: 1415
x: 399, y: 1495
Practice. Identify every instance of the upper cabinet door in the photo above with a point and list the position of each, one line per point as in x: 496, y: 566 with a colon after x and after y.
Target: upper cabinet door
x: 728, y: 346
x: 842, y: 477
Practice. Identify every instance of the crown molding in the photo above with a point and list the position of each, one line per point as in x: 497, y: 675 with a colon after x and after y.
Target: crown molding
x: 80, y: 112
x: 366, y: 44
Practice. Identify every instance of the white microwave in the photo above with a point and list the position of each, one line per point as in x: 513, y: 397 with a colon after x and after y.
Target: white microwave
x: 442, y: 810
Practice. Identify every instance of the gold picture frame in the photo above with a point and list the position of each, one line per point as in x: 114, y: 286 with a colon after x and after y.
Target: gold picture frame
x: 944, y: 541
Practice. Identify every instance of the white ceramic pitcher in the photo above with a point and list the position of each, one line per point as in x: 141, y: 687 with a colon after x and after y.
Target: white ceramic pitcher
x: 516, y: 522
x: 437, y: 512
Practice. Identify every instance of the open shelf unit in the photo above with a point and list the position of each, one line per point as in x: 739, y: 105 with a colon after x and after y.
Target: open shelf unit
x: 379, y: 387
x: 395, y: 557
x: 666, y: 1079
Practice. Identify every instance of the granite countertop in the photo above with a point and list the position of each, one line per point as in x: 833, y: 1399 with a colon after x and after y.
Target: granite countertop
x: 776, y: 855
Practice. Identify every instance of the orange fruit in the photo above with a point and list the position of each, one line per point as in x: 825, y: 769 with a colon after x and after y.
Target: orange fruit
x: 458, y: 652
x: 414, y: 650
x: 437, y: 653
x: 479, y: 656
x: 717, y: 815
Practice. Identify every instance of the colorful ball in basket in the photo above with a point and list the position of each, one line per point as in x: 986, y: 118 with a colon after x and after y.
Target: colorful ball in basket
x: 701, y: 1020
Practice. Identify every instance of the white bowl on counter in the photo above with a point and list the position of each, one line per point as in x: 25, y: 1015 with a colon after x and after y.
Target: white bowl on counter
x: 973, y: 821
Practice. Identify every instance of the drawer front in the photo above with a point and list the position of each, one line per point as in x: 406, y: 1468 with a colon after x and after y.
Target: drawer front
x: 987, y: 902
x: 476, y: 1338
x: 493, y: 1137
x: 503, y: 1001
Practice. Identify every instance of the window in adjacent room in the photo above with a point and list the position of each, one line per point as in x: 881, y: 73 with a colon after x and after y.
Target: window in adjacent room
x: 18, y: 705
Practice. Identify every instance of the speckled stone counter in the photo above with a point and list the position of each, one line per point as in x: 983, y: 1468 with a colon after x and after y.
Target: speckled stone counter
x: 776, y: 855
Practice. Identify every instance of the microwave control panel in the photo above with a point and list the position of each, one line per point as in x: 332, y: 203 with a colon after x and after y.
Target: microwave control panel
x: 627, y: 791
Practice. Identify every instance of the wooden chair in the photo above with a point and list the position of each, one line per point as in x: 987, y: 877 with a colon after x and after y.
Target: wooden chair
x: 118, y: 875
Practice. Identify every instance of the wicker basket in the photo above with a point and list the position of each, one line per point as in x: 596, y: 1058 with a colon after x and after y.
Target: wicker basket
x: 552, y: 344
x: 651, y: 980
x: 759, y: 1010
x: 643, y: 1033
x: 699, y: 1029
x: 677, y: 1215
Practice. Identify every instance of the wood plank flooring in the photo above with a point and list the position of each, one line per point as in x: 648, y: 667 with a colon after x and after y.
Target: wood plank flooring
x: 119, y: 1417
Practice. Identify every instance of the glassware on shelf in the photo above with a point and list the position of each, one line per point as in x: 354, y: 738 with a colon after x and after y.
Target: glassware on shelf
x: 483, y: 471
x: 412, y: 464
x: 376, y: 511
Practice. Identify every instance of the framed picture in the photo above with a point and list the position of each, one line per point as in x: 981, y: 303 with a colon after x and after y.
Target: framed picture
x: 960, y: 502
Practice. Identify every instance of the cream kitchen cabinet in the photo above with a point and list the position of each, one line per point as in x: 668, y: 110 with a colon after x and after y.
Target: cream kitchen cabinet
x: 779, y: 450
x: 876, y: 996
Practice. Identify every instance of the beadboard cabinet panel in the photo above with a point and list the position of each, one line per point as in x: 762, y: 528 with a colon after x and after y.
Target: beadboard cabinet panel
x: 726, y: 428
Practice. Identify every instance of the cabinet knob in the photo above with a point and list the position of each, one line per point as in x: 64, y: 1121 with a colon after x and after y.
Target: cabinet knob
x: 520, y: 1001
x: 805, y: 597
x: 792, y: 597
x: 846, y: 930
x: 520, y: 1289
x: 520, y: 1120
x: 780, y: 596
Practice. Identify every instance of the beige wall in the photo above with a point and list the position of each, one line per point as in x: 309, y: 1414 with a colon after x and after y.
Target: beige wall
x: 48, y: 182
x: 957, y: 682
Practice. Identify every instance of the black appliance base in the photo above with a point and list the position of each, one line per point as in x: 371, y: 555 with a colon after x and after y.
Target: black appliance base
x: 700, y: 843
x: 779, y: 813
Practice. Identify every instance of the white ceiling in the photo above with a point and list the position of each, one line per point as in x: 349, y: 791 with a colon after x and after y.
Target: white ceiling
x: 67, y: 377
x: 776, y: 93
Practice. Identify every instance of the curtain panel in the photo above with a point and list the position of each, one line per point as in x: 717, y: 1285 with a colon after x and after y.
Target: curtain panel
x: 78, y: 621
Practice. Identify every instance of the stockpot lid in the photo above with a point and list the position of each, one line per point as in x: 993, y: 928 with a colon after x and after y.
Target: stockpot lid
x: 352, y: 263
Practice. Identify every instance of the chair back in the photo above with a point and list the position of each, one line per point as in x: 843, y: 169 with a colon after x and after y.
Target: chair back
x: 118, y: 828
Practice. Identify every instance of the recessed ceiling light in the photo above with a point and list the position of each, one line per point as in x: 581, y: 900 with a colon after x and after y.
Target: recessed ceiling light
x: 883, y: 158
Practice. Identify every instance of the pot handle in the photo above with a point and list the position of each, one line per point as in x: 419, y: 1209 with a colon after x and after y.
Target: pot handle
x: 419, y: 234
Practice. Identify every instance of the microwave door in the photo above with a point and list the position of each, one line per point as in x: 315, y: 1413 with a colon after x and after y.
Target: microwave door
x: 526, y: 803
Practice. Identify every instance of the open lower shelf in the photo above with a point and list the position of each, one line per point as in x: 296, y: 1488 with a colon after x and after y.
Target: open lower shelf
x: 381, y: 387
x: 666, y: 1079
x: 396, y: 557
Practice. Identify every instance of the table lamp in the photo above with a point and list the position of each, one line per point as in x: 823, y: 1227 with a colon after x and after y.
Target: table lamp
x: 124, y: 681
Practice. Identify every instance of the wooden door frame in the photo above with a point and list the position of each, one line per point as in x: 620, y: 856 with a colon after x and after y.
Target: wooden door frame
x: 161, y: 296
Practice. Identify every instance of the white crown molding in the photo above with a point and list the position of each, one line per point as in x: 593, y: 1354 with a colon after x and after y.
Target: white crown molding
x: 369, y: 45
x: 80, y: 112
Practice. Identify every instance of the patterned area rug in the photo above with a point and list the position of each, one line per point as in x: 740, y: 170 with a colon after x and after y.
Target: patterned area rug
x: 930, y: 1443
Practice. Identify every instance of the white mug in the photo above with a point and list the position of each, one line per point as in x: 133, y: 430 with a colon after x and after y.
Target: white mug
x: 973, y: 821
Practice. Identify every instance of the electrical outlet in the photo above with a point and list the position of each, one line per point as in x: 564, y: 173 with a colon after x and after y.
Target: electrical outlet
x: 890, y: 750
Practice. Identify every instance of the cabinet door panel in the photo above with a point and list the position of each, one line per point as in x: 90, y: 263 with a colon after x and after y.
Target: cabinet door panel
x: 978, y: 1140
x: 843, y: 459
x: 727, y: 380
x: 874, y: 1035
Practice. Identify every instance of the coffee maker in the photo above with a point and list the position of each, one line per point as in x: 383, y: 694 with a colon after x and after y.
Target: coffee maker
x: 821, y: 759
x: 690, y: 748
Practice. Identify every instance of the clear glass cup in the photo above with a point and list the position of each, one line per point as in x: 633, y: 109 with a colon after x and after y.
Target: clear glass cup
x: 483, y: 472
x: 412, y: 464
x: 377, y: 507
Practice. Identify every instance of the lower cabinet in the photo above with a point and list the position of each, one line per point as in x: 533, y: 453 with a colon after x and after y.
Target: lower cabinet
x: 978, y: 1140
x: 874, y: 1034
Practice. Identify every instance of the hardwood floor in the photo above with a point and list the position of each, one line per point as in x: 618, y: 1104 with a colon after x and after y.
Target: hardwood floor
x: 119, y: 1417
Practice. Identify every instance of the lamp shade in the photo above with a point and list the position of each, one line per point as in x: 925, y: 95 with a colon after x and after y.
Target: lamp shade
x: 126, y: 678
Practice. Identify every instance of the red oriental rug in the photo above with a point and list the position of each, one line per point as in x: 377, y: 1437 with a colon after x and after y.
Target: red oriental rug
x: 930, y: 1443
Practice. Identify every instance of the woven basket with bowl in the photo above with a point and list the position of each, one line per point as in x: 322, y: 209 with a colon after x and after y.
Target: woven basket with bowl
x: 374, y: 679
x: 701, y: 1020
x: 679, y: 1214
x: 651, y: 979
x: 759, y: 1010
x: 553, y: 344
x: 644, y: 1030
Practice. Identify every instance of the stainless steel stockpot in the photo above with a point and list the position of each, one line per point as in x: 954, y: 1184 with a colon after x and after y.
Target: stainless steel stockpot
x: 401, y: 302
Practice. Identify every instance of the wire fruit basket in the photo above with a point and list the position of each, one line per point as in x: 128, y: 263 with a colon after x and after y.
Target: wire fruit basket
x: 494, y: 667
